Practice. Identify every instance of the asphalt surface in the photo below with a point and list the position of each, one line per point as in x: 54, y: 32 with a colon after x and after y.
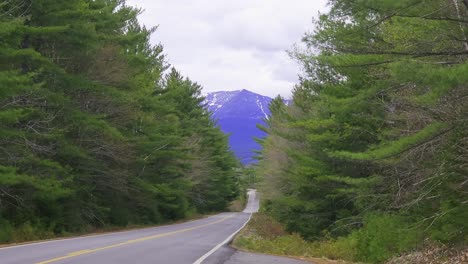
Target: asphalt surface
x: 253, y: 203
x: 249, y: 258
x: 173, y: 244
x: 229, y: 255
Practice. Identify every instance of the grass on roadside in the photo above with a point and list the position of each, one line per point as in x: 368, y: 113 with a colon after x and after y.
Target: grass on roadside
x: 264, y: 235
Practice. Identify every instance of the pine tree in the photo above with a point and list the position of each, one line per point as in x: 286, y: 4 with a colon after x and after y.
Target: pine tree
x: 375, y: 122
x: 93, y: 131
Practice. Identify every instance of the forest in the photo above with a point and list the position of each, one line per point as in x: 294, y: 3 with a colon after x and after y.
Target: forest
x: 96, y: 129
x: 372, y: 154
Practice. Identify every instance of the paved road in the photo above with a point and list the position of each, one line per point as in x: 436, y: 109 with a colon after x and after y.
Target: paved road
x: 184, y: 243
x: 249, y: 258
x: 253, y: 202
x: 229, y: 255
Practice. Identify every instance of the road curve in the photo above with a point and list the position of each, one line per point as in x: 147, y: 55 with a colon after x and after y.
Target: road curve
x: 253, y: 203
x: 184, y: 243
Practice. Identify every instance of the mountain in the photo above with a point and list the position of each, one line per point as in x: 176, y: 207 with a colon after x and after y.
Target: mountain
x: 237, y: 114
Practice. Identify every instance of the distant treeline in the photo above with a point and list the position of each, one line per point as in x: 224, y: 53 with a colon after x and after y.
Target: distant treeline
x: 95, y: 131
x: 373, y: 151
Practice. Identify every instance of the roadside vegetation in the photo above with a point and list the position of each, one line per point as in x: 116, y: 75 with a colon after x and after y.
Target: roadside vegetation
x: 96, y: 130
x: 264, y: 234
x: 370, y: 159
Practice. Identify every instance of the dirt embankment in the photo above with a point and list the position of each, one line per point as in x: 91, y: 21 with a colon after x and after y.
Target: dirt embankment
x: 434, y: 255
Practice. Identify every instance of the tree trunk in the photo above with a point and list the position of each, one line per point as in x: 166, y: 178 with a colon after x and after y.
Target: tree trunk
x: 455, y: 2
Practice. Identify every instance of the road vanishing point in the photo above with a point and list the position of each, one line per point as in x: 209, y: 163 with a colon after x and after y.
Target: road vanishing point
x: 191, y: 242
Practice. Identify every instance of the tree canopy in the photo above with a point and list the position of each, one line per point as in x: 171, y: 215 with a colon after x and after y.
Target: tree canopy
x: 377, y: 130
x: 95, y: 130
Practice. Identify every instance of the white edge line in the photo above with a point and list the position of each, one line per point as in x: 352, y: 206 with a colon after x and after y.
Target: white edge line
x: 97, y: 235
x: 213, y: 250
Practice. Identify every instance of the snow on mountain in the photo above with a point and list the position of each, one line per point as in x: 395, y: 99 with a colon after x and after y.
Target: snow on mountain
x: 237, y: 114
x: 238, y: 103
x: 216, y: 100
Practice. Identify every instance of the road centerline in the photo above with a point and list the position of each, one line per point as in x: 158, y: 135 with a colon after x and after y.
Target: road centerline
x: 128, y: 242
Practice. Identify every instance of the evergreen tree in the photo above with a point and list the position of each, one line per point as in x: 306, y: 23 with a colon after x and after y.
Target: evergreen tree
x: 93, y: 131
x: 377, y: 123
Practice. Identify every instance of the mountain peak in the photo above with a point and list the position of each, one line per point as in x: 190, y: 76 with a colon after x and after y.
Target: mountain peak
x: 238, y: 113
x: 238, y: 103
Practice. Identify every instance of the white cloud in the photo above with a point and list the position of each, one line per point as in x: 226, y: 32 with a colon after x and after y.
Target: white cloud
x: 232, y: 45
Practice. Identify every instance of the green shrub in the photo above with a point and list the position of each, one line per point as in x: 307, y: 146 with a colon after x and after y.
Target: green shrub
x: 451, y: 224
x: 5, y: 231
x: 24, y: 232
x: 343, y: 248
x: 384, y: 236
x: 30, y: 232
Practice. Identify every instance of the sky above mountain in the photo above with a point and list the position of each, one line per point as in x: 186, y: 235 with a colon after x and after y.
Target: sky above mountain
x: 231, y: 45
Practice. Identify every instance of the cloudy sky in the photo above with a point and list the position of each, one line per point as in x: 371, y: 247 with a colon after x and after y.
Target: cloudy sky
x: 232, y: 44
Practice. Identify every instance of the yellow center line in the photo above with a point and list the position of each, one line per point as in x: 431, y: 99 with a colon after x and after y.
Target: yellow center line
x: 132, y: 241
